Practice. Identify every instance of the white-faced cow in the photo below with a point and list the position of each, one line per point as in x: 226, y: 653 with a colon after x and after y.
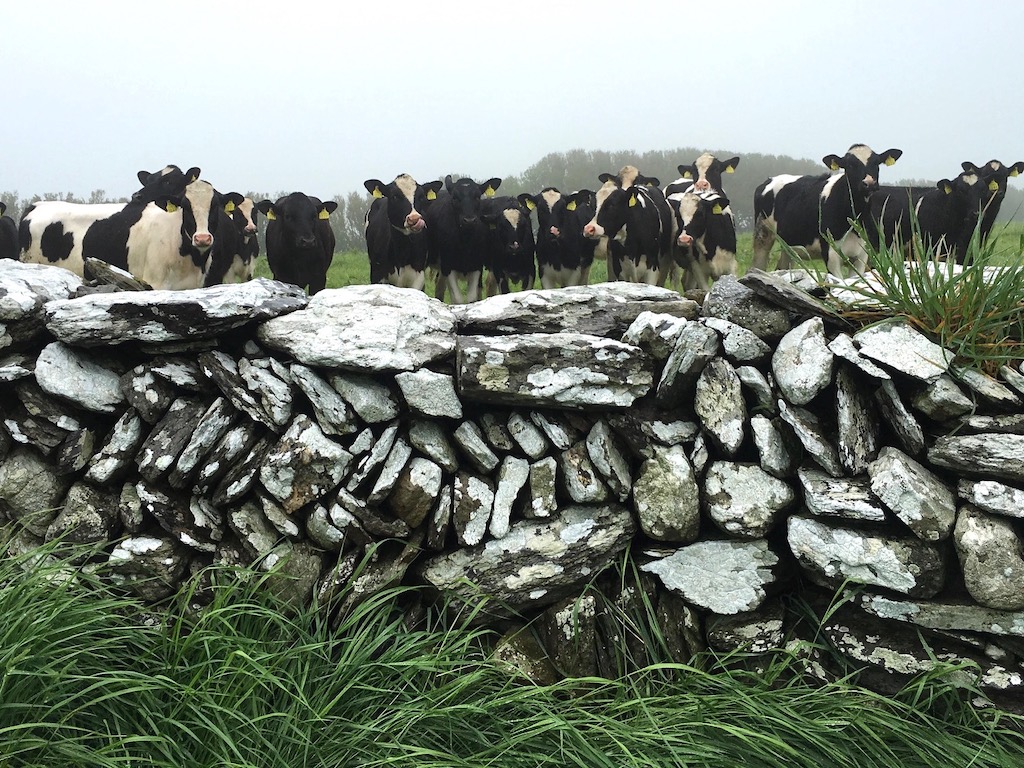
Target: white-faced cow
x: 631, y: 211
x: 8, y: 235
x: 811, y: 212
x: 236, y: 248
x: 170, y: 245
x: 564, y: 255
x: 457, y: 237
x: 395, y: 228
x: 300, y: 242
x: 708, y: 232
x: 704, y: 174
x: 509, y: 251
x: 947, y: 213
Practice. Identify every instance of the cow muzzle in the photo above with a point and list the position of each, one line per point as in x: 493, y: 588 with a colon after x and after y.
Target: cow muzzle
x: 202, y: 240
x: 592, y: 231
x: 684, y: 240
x: 414, y: 222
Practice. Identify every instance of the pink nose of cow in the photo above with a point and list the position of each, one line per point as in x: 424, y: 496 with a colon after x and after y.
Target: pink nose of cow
x: 554, y: 231
x: 684, y: 239
x: 589, y: 231
x: 250, y: 229
x: 202, y: 240
x: 414, y: 222
x: 702, y: 186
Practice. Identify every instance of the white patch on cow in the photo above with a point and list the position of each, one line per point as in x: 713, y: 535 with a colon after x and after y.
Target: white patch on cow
x: 600, y: 197
x: 512, y: 217
x: 551, y: 196
x: 200, y: 199
x: 240, y: 271
x: 688, y: 203
x: 832, y: 181
x: 406, y: 184
x: 970, y: 178
x: 702, y: 164
x: 246, y: 207
x: 862, y: 152
x: 628, y: 176
x: 408, y: 277
x: 76, y: 218
x: 776, y: 183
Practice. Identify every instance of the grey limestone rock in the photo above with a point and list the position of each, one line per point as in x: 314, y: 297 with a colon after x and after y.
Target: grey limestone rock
x: 842, y: 346
x: 375, y: 458
x: 30, y: 490
x: 991, y: 455
x: 543, y: 502
x: 207, y: 431
x: 917, y: 497
x: 743, y: 500
x: 390, y: 471
x: 579, y: 476
x: 802, y: 362
x: 993, y: 497
x: 365, y: 327
x: 992, y: 559
x: 720, y: 407
x: 945, y: 615
x: 472, y: 503
x: 512, y: 476
x: 906, y: 428
x: 270, y: 384
x: 740, y: 345
x: 848, y: 498
x: 858, y: 431
x: 758, y: 631
x: 332, y: 413
x: 988, y: 389
x: 304, y: 465
x: 148, y: 393
x: 777, y: 448
x: 695, y: 345
x: 470, y: 438
x: 942, y: 400
x: 813, y: 437
x: 901, y: 347
x: 149, y: 566
x: 666, y: 496
x: 74, y: 376
x: 89, y: 516
x: 730, y: 300
x: 761, y: 387
x: 169, y: 437
x: 416, y: 491
x: 609, y: 459
x: 430, y: 394
x: 556, y: 428
x: 527, y: 435
x: 430, y: 439
x: 655, y: 333
x: 372, y: 401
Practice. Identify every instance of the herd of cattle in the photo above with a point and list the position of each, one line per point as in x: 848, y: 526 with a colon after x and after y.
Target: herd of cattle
x: 179, y: 232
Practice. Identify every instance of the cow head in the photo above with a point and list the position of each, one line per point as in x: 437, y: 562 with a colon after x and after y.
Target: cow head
x: 199, y: 206
x: 706, y: 172
x: 466, y: 194
x: 860, y: 165
x: 406, y: 201
x: 243, y: 216
x: 510, y: 226
x: 696, y: 212
x: 297, y: 216
x: 994, y: 176
x: 169, y: 181
x: 613, y: 200
x: 548, y: 205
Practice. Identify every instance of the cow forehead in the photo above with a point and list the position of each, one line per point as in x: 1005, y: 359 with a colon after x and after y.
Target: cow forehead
x: 862, y: 152
x: 703, y: 163
x: 551, y: 197
x: 200, y: 197
x: 406, y: 184
x: 512, y: 216
x: 628, y: 174
x: 688, y: 204
x: 606, y: 189
x: 246, y: 207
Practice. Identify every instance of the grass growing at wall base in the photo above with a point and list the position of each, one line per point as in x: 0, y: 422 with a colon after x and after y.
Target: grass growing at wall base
x: 90, y: 678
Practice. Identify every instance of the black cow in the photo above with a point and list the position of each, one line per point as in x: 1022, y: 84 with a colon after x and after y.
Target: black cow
x: 510, y: 246
x: 300, y: 242
x: 55, y: 232
x: 946, y: 213
x: 237, y: 247
x: 995, y: 175
x: 8, y: 235
x: 708, y: 232
x: 396, y: 238
x: 457, y: 237
x: 564, y: 255
x: 631, y: 211
x: 812, y: 211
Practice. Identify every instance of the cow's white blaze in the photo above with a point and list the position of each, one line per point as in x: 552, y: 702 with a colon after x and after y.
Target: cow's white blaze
x: 862, y: 152
x: 200, y: 199
x: 702, y: 164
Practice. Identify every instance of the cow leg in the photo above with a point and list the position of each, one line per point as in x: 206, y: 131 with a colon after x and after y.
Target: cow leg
x: 474, y: 285
x: 547, y: 277
x: 723, y: 263
x: 764, y: 239
x: 580, y: 276
x: 492, y: 284
x: 855, y: 253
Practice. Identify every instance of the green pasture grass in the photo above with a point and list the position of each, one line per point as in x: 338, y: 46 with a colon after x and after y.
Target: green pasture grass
x: 91, y: 678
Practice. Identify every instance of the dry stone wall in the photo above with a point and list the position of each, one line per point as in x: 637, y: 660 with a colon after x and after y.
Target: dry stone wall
x: 744, y: 451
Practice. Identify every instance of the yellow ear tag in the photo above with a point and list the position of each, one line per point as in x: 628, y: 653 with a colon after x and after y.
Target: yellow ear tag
x: 229, y: 207
x: 729, y: 169
x: 632, y: 200
x: 993, y: 186
x: 192, y: 178
x: 324, y: 215
x: 1014, y: 172
x: 377, y: 194
x: 431, y: 194
x: 834, y: 167
x: 947, y: 189
x: 530, y: 205
x: 271, y: 216
x: 687, y: 175
x: 890, y: 161
x: 171, y: 208
x: 571, y: 206
x: 717, y: 210
x: 489, y: 192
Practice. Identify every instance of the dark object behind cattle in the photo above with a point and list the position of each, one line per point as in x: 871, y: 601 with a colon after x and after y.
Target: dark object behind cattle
x: 300, y: 241
x: 8, y: 235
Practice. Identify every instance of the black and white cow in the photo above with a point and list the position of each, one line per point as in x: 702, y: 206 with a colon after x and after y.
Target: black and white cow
x: 704, y: 175
x: 946, y: 213
x: 811, y: 212
x: 170, y: 245
x: 708, y: 232
x: 510, y: 246
x: 54, y: 232
x: 631, y: 211
x: 8, y: 235
x: 237, y: 247
x: 300, y: 241
x: 457, y: 237
x: 395, y: 229
x: 564, y: 255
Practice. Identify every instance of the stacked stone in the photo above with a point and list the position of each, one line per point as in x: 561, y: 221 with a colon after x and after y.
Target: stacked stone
x: 516, y: 448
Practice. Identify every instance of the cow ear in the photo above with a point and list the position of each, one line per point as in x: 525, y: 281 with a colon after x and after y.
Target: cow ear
x: 732, y: 165
x: 717, y: 210
x: 166, y: 204
x: 945, y: 186
x: 890, y: 156
x: 993, y: 186
x: 232, y: 200
x: 192, y: 174
x: 604, y: 178
x: 373, y: 186
x: 143, y: 177
x: 3, y: 208
x: 650, y: 181
x: 970, y: 167
x: 492, y: 187
x: 571, y: 205
x: 831, y: 162
x: 433, y: 187
x: 1017, y: 168
x: 266, y: 207
x: 331, y: 206
x: 685, y: 171
x: 527, y: 201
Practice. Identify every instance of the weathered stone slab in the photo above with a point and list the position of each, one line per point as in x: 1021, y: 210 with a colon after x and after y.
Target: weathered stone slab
x: 993, y: 497
x: 778, y: 450
x: 304, y: 465
x: 67, y: 373
x: 392, y: 469
x: 917, y: 497
x: 605, y: 309
x: 579, y: 476
x: 743, y: 500
x: 695, y: 345
x: 332, y: 412
x: 89, y: 516
x: 149, y: 566
x: 543, y: 502
x: 224, y: 371
x: 848, y: 498
x: 990, y: 390
x: 241, y: 476
x: 430, y: 394
x: 609, y: 459
x: 903, y: 424
x: 835, y: 554
x: 802, y: 362
x: 375, y: 458
x: 416, y: 491
x: 901, y: 347
x: 512, y: 476
x: 730, y: 300
x: 372, y: 401
x: 118, y: 450
x: 365, y: 327
x: 843, y: 346
x: 537, y: 562
x: 758, y: 631
x: 472, y: 505
x: 432, y: 441
x: 942, y: 400
x: 148, y: 393
x: 724, y: 577
x: 719, y: 405
x: 783, y: 292
x: 989, y: 455
x: 559, y: 370
x: 666, y: 496
x: 169, y: 316
x: 956, y: 616
x: 270, y: 384
x: 527, y: 436
x: 234, y: 446
x: 812, y: 435
x: 167, y: 440
x: 25, y: 288
x: 858, y: 431
x: 206, y: 433
x: 740, y: 345
x: 655, y: 333
x: 992, y: 559
x: 556, y: 428
x: 470, y: 438
x: 761, y: 387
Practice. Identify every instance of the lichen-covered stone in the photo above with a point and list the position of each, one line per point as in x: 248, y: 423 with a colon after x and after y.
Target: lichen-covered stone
x: 743, y: 500
x: 917, y: 497
x: 666, y: 496
x: 803, y: 363
x: 304, y: 465
x: 992, y: 559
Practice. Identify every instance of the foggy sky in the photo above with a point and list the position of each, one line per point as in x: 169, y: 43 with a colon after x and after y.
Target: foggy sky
x: 317, y: 97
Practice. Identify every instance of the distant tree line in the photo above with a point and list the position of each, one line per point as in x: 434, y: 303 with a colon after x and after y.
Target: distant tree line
x: 570, y: 171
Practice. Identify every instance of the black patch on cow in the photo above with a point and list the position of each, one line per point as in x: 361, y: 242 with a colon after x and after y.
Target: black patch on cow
x: 56, y: 244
